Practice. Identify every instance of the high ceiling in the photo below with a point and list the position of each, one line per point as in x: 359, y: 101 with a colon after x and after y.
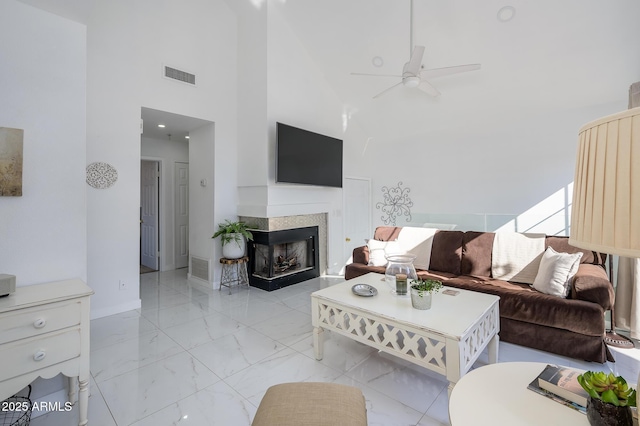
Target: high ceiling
x: 76, y: 10
x: 553, y: 55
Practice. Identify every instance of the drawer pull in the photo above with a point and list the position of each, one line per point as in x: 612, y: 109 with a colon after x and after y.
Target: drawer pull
x: 39, y: 356
x: 39, y: 323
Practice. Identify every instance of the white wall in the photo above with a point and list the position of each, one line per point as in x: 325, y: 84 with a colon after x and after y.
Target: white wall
x: 128, y: 43
x: 252, y: 93
x: 42, y: 86
x: 506, y: 170
x: 167, y: 152
x: 201, y: 198
x: 299, y: 95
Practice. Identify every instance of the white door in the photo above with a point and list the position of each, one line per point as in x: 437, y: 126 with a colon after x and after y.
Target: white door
x: 182, y: 215
x: 357, y: 213
x: 149, y: 177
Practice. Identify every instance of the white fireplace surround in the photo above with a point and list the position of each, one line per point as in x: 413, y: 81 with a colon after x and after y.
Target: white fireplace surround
x: 292, y: 222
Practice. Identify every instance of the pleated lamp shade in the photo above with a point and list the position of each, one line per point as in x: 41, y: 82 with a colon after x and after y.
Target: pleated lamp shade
x: 605, y: 215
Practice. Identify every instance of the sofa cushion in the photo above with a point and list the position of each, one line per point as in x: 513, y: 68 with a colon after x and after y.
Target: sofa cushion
x: 592, y: 285
x: 561, y: 245
x: 378, y: 251
x: 387, y: 233
x: 522, y: 302
x: 516, y: 256
x: 476, y: 253
x: 360, y: 255
x: 417, y: 241
x: 556, y: 272
x: 446, y: 251
x: 354, y: 270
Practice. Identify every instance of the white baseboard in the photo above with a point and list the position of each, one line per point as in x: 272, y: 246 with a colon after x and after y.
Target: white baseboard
x: 200, y: 280
x: 112, y: 310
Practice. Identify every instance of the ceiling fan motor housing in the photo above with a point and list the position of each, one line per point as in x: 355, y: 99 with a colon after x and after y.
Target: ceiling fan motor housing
x: 411, y: 81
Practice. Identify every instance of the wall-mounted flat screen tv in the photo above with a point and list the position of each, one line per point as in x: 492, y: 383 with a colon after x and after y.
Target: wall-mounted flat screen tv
x: 307, y: 158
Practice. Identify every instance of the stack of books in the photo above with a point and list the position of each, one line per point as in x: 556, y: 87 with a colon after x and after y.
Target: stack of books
x: 561, y: 385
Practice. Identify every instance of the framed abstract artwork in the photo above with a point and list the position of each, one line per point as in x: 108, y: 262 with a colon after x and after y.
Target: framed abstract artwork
x: 11, y: 162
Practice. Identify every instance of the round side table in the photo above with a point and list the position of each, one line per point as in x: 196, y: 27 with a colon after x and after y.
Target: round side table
x: 497, y: 394
x: 234, y: 272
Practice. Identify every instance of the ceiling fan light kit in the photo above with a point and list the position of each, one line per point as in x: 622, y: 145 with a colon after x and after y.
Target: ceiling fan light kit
x: 413, y: 76
x: 411, y: 81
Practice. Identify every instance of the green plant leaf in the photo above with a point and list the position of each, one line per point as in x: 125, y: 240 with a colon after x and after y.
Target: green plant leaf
x: 428, y: 285
x: 608, y: 388
x: 232, y: 231
x: 632, y: 399
x: 610, y: 397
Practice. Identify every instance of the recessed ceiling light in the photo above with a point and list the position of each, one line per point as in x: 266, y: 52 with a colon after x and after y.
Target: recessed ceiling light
x: 162, y: 126
x: 506, y: 13
x: 186, y: 137
x: 377, y: 61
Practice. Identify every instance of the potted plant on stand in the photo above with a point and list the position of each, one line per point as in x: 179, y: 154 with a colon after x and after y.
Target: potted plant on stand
x: 610, y: 399
x: 422, y: 292
x: 234, y: 237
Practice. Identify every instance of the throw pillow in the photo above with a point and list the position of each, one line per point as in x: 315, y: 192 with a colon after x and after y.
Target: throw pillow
x: 417, y: 241
x: 556, y: 271
x: 378, y: 250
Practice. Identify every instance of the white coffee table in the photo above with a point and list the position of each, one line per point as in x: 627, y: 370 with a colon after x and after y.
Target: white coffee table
x: 497, y: 394
x: 447, y: 339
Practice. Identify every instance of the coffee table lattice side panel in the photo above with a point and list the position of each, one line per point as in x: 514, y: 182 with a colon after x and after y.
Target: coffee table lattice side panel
x: 415, y: 345
x: 478, y: 338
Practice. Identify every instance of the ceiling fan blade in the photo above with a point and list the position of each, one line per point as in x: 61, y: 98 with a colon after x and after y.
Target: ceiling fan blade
x: 376, y: 75
x: 426, y: 87
x: 415, y: 62
x: 441, y: 72
x: 387, y: 90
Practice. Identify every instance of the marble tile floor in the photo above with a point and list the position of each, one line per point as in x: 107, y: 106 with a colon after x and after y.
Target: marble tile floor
x: 196, y: 356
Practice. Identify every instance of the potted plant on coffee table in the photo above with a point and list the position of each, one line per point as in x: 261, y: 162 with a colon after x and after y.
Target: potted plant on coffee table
x: 610, y: 399
x: 234, y: 237
x: 422, y: 292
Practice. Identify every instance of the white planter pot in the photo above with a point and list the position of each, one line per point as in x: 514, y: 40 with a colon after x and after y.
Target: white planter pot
x: 421, y: 299
x: 234, y: 249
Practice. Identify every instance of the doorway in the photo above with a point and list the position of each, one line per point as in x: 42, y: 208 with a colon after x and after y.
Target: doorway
x: 149, y: 215
x: 357, y: 214
x: 165, y: 140
x: 181, y: 186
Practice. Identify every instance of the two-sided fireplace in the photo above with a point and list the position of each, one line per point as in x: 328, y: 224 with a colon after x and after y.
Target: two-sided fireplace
x: 281, y: 258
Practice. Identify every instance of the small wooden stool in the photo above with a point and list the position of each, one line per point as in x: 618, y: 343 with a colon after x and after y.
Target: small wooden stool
x: 231, y: 275
x: 311, y: 404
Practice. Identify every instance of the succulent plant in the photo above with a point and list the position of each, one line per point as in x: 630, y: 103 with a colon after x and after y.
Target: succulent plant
x: 426, y: 286
x: 608, y: 388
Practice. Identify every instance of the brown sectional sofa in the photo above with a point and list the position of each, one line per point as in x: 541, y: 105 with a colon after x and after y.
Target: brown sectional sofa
x: 572, y: 327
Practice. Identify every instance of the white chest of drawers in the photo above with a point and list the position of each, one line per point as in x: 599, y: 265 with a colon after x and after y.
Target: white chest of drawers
x: 44, y: 331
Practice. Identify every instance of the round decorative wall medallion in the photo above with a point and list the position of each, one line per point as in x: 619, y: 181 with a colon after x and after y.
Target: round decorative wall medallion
x: 101, y: 175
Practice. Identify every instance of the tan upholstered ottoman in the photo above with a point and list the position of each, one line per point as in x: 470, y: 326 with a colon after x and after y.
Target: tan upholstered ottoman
x: 311, y: 404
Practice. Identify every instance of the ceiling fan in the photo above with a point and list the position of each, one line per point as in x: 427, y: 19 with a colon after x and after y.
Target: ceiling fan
x: 413, y: 73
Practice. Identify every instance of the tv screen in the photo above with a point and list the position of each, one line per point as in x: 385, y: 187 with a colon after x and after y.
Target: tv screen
x: 307, y: 158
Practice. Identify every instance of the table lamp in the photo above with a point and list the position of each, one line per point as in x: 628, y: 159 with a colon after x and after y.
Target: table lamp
x: 605, y: 214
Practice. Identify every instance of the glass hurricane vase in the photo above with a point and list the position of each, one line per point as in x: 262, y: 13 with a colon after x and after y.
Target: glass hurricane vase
x: 400, y: 264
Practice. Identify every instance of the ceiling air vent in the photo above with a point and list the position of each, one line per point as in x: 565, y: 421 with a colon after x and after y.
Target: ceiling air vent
x: 179, y: 75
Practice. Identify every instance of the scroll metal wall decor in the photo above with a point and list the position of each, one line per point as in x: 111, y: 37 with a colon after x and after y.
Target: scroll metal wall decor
x: 101, y: 175
x: 395, y: 203
x: 11, y: 162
